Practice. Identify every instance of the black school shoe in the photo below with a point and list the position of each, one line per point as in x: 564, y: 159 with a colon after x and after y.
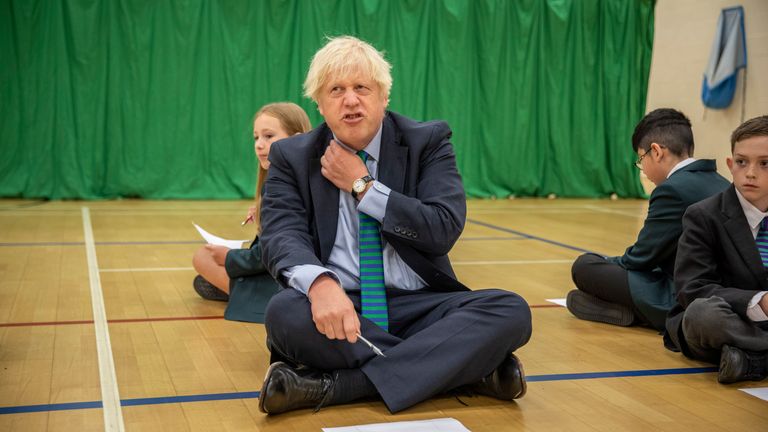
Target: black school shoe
x: 506, y: 382
x: 588, y: 307
x: 741, y: 365
x: 287, y: 388
x: 207, y: 291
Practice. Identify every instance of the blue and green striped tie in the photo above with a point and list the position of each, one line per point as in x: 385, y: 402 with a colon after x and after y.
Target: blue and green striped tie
x: 762, y: 241
x: 373, y: 296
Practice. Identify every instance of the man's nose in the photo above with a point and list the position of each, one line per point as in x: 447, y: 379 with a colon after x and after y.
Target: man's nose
x: 350, y: 98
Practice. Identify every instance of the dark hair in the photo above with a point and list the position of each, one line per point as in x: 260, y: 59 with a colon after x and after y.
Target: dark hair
x: 667, y: 127
x: 757, y: 126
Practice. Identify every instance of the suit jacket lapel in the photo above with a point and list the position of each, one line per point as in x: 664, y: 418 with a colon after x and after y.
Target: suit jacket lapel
x: 392, y: 158
x: 325, y: 201
x: 738, y: 229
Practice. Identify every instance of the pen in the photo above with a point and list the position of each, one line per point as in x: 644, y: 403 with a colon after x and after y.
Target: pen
x: 248, y: 219
x: 375, y: 349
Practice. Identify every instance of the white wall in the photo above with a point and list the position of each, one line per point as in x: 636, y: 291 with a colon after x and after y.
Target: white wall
x: 684, y: 31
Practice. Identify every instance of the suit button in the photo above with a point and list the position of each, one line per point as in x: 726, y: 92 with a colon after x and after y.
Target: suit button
x: 397, y: 229
x: 415, y: 235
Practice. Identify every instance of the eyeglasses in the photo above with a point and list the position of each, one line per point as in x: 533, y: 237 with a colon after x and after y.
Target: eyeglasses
x: 639, y: 161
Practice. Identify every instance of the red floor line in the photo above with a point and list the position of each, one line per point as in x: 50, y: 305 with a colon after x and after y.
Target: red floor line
x: 190, y: 318
x: 44, y: 323
x: 115, y: 321
x: 130, y: 320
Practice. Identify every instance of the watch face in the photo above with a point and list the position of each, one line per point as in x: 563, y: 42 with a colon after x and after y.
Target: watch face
x: 358, y: 185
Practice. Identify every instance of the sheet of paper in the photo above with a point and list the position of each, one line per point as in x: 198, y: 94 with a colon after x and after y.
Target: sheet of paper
x: 759, y: 392
x: 212, y: 239
x: 560, y: 302
x: 435, y: 425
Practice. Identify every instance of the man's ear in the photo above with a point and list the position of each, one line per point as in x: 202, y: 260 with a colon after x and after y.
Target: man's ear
x: 729, y: 162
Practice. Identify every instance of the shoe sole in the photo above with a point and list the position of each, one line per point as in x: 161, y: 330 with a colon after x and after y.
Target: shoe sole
x: 590, y: 308
x: 267, y: 377
x: 208, y: 291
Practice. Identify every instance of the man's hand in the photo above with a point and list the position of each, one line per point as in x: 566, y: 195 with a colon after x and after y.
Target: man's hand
x: 341, y: 167
x: 219, y: 253
x: 764, y: 304
x: 332, y: 310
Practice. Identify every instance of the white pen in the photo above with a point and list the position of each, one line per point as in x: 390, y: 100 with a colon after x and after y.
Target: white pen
x: 375, y: 349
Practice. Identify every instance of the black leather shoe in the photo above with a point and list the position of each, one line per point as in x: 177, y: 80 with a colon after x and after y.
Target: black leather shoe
x: 288, y: 389
x: 207, y: 291
x: 507, y: 382
x: 741, y: 365
x: 588, y: 307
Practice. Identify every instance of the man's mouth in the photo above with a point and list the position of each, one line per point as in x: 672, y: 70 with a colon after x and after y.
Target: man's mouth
x: 353, y: 116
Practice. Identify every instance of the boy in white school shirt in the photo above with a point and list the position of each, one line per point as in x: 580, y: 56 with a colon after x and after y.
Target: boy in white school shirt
x: 721, y: 271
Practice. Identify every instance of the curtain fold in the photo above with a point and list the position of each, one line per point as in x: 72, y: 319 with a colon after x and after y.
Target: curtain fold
x: 140, y: 98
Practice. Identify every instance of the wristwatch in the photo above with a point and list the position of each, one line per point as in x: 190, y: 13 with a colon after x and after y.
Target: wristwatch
x: 358, y: 186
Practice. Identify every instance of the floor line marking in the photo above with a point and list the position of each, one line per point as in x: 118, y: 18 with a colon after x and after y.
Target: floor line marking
x: 613, y: 211
x: 255, y: 394
x: 532, y: 237
x: 160, y: 319
x: 620, y: 374
x: 112, y: 321
x: 105, y: 243
x: 110, y: 396
x: 513, y: 262
x: 145, y: 269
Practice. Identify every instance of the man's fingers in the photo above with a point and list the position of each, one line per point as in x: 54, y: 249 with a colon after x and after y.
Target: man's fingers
x: 351, y: 327
x: 329, y: 333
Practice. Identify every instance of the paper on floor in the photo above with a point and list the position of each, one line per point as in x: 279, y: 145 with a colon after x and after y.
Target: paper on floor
x: 759, y: 392
x: 435, y: 425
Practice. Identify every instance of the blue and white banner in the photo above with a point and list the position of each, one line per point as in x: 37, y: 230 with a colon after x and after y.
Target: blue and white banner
x: 728, y: 55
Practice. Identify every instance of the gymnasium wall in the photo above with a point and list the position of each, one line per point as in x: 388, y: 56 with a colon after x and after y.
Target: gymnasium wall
x: 682, y: 41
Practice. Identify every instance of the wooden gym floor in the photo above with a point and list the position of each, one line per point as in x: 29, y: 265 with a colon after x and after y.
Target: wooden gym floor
x: 112, y: 279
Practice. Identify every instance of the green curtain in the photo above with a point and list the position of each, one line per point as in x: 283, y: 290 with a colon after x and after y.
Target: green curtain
x: 154, y: 99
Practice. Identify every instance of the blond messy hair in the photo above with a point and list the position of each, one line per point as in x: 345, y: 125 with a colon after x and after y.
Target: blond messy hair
x: 342, y: 57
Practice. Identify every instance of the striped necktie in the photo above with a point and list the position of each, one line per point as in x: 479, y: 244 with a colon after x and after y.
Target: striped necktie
x: 762, y: 241
x: 373, y: 296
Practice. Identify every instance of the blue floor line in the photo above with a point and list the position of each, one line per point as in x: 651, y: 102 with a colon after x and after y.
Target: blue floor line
x: 255, y: 394
x: 50, y: 407
x: 620, y: 374
x: 492, y: 238
x: 532, y: 237
x: 190, y: 398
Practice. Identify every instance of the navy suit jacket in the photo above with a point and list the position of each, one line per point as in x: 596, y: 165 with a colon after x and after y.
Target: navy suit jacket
x: 425, y: 214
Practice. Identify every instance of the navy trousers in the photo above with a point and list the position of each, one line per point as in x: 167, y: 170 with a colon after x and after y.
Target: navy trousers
x: 437, y: 341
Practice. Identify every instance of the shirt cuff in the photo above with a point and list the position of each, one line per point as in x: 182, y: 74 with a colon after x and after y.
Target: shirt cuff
x: 754, y: 311
x: 301, y: 277
x: 374, y: 202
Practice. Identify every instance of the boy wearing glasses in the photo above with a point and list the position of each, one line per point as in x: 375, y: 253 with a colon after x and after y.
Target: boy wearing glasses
x: 722, y: 310
x: 637, y: 287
